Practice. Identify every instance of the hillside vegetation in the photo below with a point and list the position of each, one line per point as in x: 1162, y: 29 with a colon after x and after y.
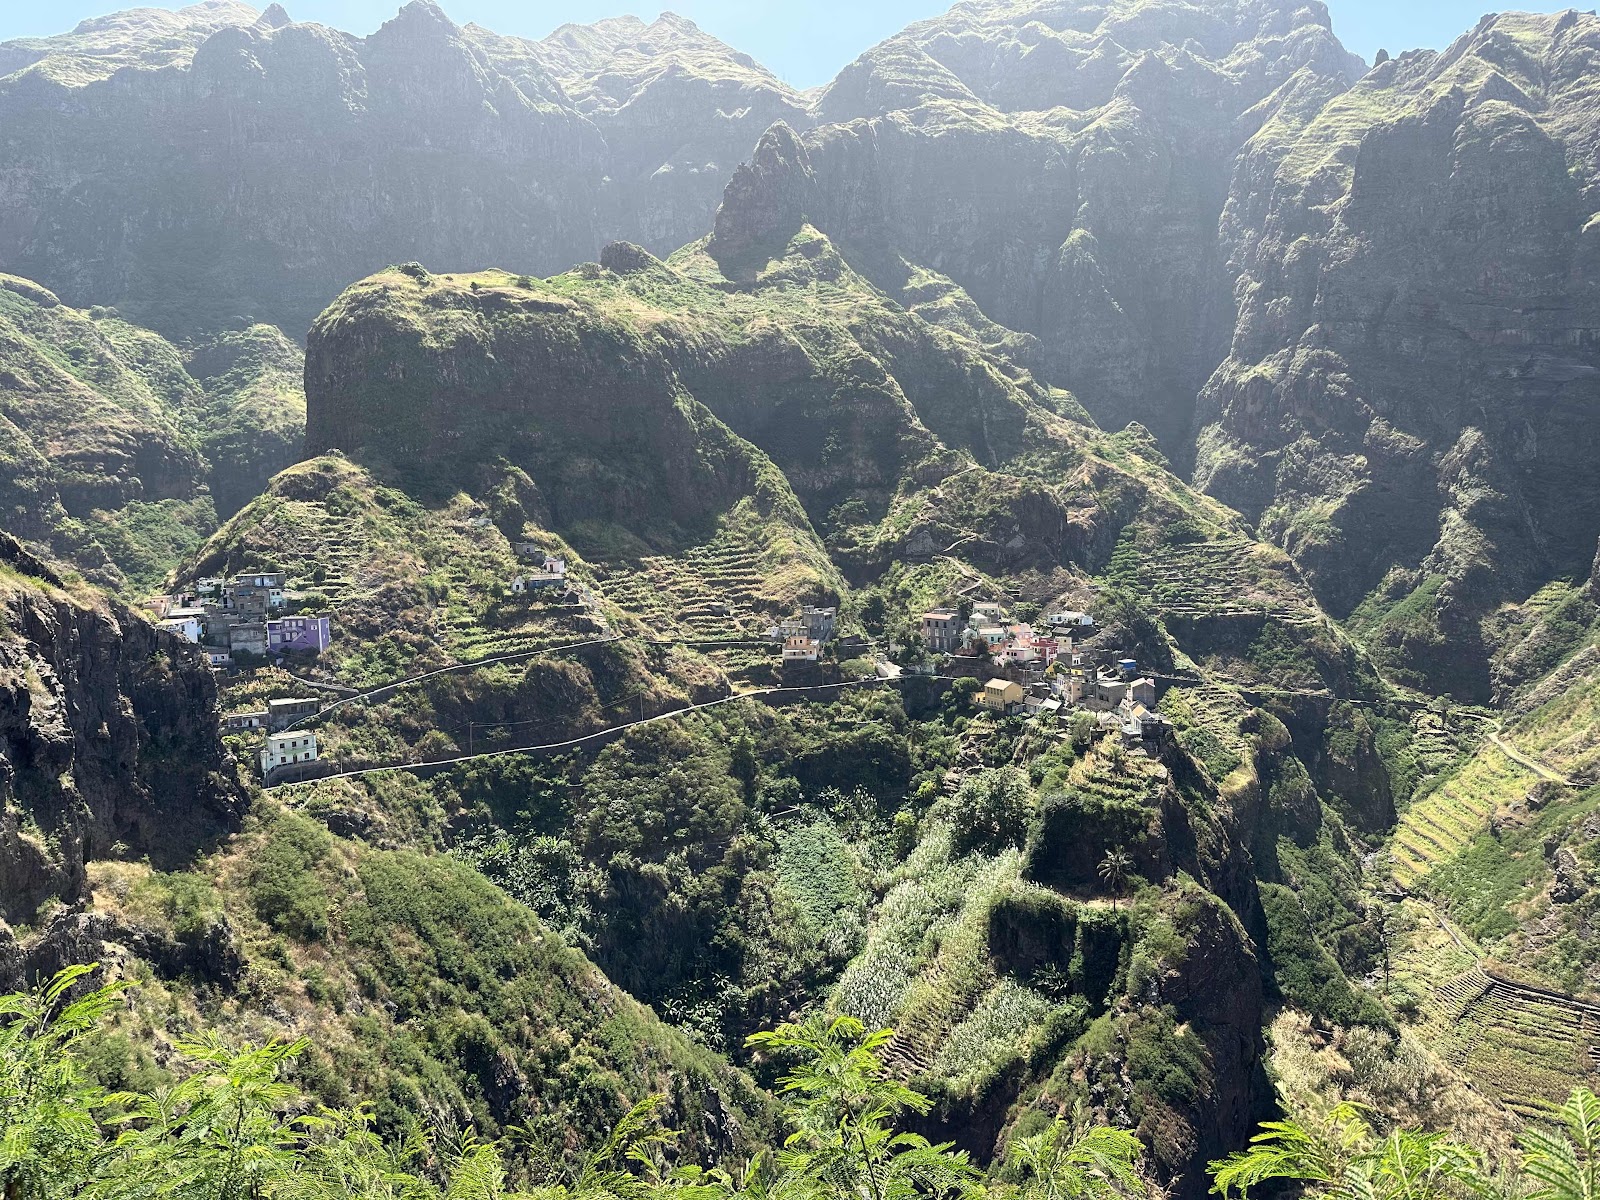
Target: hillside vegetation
x: 1275, y: 373
x: 114, y: 436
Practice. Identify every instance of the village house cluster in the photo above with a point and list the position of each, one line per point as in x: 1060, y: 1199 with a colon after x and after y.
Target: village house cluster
x: 241, y: 616
x: 804, y: 634
x: 1050, y: 672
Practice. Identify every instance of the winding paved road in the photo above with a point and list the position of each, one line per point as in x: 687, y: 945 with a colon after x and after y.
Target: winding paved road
x: 608, y: 732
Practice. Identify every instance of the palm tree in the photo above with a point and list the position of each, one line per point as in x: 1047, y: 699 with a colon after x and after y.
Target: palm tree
x: 1115, y: 868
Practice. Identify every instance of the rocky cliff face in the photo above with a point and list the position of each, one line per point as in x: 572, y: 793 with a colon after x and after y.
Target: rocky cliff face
x: 1066, y: 164
x: 650, y: 396
x: 291, y: 158
x: 444, y: 379
x: 1409, y: 404
x: 108, y: 740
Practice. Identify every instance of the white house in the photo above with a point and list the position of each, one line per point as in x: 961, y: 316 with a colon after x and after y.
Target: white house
x: 187, y: 623
x: 286, y: 749
x: 1072, y: 620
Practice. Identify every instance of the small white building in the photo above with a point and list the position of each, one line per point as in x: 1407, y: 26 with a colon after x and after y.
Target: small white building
x: 187, y: 623
x: 1071, y: 620
x: 287, y: 749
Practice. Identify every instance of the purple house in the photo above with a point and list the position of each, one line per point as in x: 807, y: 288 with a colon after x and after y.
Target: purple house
x: 307, y: 634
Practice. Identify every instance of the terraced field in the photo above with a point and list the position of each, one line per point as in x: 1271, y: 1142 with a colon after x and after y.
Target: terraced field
x: 518, y: 629
x: 934, y: 1009
x: 1225, y: 577
x: 1448, y: 819
x: 711, y: 592
x: 342, y: 546
x: 1207, y: 720
x: 1518, y: 1045
x: 1135, y: 779
x: 1434, y: 744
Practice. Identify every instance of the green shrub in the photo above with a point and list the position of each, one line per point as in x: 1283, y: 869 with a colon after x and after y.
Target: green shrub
x: 283, y: 883
x: 991, y: 811
x: 1306, y: 974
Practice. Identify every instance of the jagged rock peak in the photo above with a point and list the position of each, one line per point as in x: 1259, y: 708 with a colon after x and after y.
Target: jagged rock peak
x: 764, y: 203
x: 672, y: 20
x: 275, y: 17
x: 419, y: 17
x: 779, y: 144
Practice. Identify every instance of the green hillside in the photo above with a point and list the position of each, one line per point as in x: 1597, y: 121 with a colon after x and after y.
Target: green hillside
x: 113, y: 445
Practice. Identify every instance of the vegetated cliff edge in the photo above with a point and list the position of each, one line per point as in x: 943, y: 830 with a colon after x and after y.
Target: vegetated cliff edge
x: 120, y: 448
x: 109, y: 746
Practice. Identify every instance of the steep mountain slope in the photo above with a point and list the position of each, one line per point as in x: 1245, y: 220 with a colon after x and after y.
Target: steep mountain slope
x: 108, y: 742
x: 1497, y: 956
x: 252, y: 419
x: 110, y: 440
x: 308, y: 157
x: 855, y: 390
x: 1066, y: 164
x: 125, y: 840
x: 862, y: 406
x: 678, y: 110
x: 626, y: 412
x: 1410, y: 401
x: 147, y: 38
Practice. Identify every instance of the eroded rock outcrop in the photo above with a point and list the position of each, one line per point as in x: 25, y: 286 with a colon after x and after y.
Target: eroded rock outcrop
x: 108, y: 740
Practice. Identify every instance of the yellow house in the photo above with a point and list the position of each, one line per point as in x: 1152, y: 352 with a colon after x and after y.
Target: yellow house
x: 1002, y: 695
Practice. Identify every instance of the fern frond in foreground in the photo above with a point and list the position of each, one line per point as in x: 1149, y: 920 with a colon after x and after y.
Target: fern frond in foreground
x: 1341, y: 1157
x: 235, y: 1128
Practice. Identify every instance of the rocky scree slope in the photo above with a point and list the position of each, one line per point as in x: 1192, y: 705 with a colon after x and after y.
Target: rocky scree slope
x: 1410, y: 401
x: 308, y: 157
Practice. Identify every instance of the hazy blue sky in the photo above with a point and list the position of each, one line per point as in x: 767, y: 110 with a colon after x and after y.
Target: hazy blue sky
x: 805, y: 41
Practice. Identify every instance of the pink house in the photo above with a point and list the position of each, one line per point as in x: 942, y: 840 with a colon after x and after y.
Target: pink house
x: 300, y: 634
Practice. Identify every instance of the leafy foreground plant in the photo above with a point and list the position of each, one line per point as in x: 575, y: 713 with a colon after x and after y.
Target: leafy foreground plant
x: 236, y: 1128
x: 1340, y: 1156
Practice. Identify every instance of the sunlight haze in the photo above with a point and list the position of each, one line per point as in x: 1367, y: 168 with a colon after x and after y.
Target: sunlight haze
x: 805, y: 44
